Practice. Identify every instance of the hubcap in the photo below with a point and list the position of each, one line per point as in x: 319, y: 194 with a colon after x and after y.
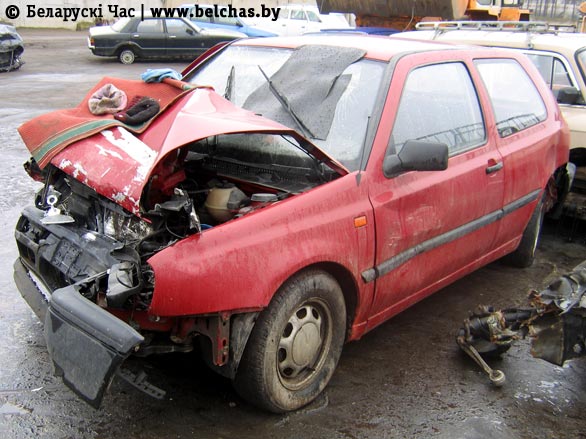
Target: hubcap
x: 303, y: 344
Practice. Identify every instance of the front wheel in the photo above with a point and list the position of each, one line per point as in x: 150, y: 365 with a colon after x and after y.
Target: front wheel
x: 295, y: 345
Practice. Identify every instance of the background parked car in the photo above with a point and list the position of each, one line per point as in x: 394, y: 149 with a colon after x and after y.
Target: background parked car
x: 132, y: 38
x: 299, y: 19
x: 228, y: 23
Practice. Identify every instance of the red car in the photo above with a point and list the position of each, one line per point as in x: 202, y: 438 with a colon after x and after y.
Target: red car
x: 288, y: 196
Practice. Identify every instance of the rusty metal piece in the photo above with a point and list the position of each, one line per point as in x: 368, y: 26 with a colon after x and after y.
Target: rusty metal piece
x: 556, y: 323
x: 215, y: 327
x: 497, y: 377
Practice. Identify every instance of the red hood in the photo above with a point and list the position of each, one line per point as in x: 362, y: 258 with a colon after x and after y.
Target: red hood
x: 117, y: 164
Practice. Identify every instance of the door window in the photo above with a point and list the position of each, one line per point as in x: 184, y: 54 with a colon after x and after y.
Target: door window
x: 553, y: 71
x: 439, y: 104
x: 178, y: 27
x: 150, y: 26
x: 298, y: 14
x: 516, y: 102
x: 313, y: 17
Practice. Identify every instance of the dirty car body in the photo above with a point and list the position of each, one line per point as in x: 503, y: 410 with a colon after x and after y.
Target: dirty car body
x: 273, y: 219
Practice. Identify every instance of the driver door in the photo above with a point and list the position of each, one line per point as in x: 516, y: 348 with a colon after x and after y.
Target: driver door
x: 432, y: 227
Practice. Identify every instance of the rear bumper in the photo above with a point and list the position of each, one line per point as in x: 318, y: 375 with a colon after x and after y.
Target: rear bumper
x: 86, y: 343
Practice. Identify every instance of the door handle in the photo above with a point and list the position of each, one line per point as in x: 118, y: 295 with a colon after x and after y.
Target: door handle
x: 494, y: 168
x: 172, y: 36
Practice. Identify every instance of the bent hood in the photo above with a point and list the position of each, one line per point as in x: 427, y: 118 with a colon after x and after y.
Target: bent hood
x: 117, y: 164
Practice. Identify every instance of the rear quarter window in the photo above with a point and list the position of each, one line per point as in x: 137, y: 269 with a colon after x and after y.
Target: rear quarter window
x: 516, y: 103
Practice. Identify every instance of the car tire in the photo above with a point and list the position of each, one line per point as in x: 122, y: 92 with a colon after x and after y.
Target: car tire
x: 126, y: 56
x: 524, y: 256
x: 295, y: 344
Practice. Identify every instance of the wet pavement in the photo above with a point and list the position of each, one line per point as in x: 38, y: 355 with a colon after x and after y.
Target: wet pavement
x: 406, y: 379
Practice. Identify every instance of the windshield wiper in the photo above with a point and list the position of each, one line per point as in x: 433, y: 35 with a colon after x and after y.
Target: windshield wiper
x: 230, y: 85
x: 285, y: 104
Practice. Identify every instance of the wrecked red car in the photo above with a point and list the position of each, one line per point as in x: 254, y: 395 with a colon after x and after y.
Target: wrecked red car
x: 288, y: 196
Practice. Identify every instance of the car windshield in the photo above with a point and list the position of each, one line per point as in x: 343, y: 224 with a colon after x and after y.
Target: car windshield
x: 337, y: 125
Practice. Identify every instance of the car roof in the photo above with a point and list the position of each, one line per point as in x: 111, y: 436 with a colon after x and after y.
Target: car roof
x: 563, y: 42
x: 380, y: 48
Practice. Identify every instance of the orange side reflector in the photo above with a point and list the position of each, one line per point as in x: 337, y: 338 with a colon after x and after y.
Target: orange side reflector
x: 359, y: 221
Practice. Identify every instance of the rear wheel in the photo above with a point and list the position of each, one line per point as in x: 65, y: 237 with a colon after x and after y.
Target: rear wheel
x: 525, y: 254
x: 126, y: 56
x: 295, y: 345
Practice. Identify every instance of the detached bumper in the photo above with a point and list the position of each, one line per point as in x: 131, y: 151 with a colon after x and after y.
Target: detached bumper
x: 86, y: 343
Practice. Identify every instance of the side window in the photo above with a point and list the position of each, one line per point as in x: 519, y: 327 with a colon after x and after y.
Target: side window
x: 561, y: 77
x: 313, y: 16
x: 439, y: 104
x: 515, y: 100
x: 150, y: 26
x: 177, y: 27
x: 297, y: 14
x: 544, y: 64
x: 553, y: 71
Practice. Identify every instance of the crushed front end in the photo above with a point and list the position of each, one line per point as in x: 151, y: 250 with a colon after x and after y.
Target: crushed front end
x: 75, y: 261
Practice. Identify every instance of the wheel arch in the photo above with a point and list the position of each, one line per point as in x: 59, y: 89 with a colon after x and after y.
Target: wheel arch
x: 347, y: 283
x: 128, y: 45
x: 247, y: 321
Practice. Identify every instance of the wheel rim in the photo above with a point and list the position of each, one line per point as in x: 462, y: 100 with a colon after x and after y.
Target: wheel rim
x: 127, y: 57
x: 304, y: 344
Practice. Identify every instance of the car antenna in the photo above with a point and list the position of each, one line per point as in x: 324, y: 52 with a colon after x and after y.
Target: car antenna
x: 285, y: 104
x: 359, y: 175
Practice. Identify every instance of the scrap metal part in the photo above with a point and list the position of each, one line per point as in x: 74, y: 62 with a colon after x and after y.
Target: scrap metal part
x: 555, y: 321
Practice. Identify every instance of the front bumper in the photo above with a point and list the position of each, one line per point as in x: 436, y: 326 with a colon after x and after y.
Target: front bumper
x: 86, y: 343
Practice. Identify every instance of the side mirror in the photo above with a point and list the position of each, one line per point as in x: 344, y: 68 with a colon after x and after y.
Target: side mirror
x: 190, y: 31
x: 417, y: 156
x: 568, y: 95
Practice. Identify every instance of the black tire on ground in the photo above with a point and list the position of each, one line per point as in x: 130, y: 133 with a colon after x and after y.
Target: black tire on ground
x: 126, y: 56
x: 524, y: 256
x: 295, y: 344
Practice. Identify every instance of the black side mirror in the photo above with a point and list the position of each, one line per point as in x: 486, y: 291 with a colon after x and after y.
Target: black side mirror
x: 190, y: 31
x: 568, y: 95
x: 417, y: 156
